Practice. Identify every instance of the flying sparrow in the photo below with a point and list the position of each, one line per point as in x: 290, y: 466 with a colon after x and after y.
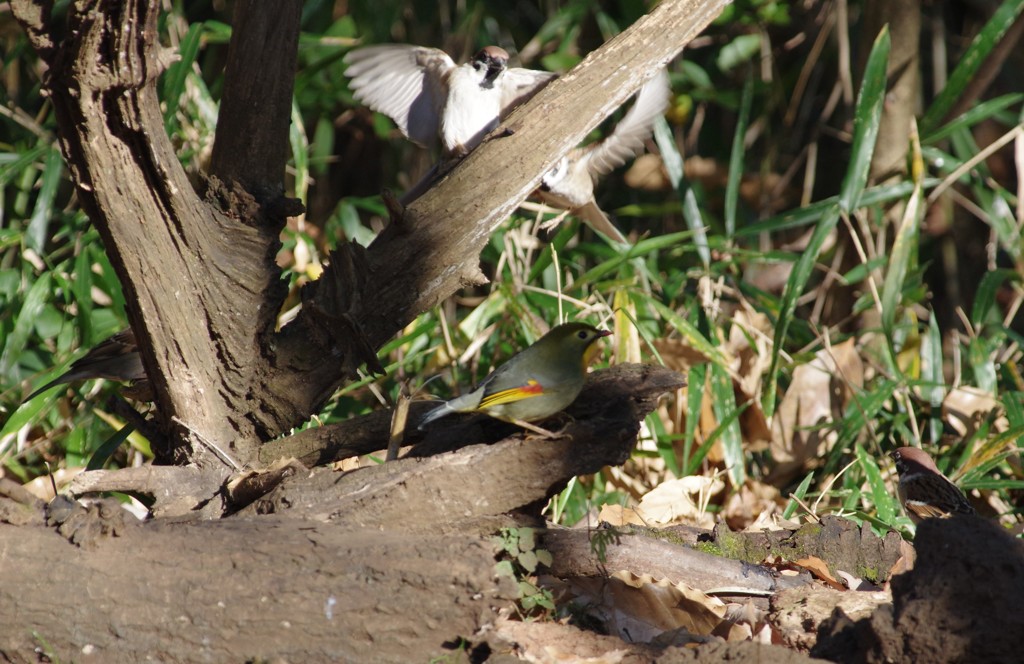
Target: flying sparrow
x: 923, y: 489
x: 429, y: 97
x: 570, y: 184
x: 115, y: 358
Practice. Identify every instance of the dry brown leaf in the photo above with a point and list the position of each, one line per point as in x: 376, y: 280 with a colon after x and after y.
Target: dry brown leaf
x: 753, y: 506
x: 347, y: 464
x: 905, y: 563
x: 819, y: 568
x: 617, y: 515
x: 734, y: 631
x: 625, y: 480
x: 645, y: 471
x: 679, y: 355
x: 817, y: 395
x: 966, y: 407
x: 42, y: 486
x: 680, y: 501
x: 647, y: 173
x: 749, y: 344
x: 769, y: 277
x: 640, y: 608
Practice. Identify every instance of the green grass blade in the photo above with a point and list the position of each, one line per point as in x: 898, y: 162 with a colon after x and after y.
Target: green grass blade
x: 690, y: 332
x: 732, y: 187
x: 178, y: 73
x: 37, y: 297
x: 103, y: 453
x: 794, y: 288
x: 723, y: 399
x: 931, y: 374
x: 720, y: 430
x: 902, y: 256
x: 985, y: 298
x: 885, y: 505
x: 14, y: 164
x: 970, y: 62
x: 673, y: 162
x: 979, y: 113
x: 867, y: 117
x: 862, y: 409
x: 801, y: 494
x: 42, y: 213
x: 691, y: 213
x: 82, y: 288
x: 696, y: 379
x: 813, y: 213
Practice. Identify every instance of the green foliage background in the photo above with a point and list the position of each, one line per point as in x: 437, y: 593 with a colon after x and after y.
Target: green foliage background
x: 932, y: 303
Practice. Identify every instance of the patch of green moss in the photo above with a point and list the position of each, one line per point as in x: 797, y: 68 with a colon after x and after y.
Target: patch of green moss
x: 709, y: 547
x: 870, y: 574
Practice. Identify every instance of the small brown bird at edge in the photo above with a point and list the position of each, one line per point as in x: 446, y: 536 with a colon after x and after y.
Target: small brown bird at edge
x: 923, y: 490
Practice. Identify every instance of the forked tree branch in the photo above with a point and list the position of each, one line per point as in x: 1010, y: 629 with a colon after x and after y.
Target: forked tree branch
x: 198, y: 271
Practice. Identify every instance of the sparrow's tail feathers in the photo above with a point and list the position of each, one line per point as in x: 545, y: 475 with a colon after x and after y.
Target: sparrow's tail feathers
x: 600, y: 222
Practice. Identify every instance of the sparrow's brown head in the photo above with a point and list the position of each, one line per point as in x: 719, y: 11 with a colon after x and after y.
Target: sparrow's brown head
x: 911, y: 460
x: 924, y: 491
x: 493, y: 59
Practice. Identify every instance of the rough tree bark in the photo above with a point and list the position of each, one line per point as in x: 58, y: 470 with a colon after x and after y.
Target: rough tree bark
x: 200, y: 284
x: 385, y: 563
x: 202, y: 293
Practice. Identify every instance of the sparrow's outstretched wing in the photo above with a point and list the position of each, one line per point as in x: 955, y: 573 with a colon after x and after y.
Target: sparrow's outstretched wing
x: 518, y: 85
x: 627, y: 139
x: 405, y: 83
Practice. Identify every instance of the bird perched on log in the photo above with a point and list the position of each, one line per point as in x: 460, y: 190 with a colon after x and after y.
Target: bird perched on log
x: 533, y: 384
x: 570, y: 184
x: 115, y: 358
x: 923, y: 490
x: 430, y: 98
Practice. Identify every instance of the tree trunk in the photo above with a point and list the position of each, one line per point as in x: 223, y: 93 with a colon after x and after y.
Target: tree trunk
x: 385, y: 563
x: 201, y: 287
x: 244, y: 590
x: 202, y: 293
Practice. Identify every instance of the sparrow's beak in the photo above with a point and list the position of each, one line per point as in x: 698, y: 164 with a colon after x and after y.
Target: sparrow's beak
x: 494, y: 67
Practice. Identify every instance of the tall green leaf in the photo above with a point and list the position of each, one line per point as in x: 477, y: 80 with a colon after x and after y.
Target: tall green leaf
x: 37, y: 297
x: 904, y: 248
x: 971, y: 61
x: 724, y: 404
x: 732, y: 188
x: 866, y: 119
x: 794, y: 288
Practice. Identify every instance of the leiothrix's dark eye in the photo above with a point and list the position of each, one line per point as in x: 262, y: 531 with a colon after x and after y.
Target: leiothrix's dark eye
x: 582, y: 334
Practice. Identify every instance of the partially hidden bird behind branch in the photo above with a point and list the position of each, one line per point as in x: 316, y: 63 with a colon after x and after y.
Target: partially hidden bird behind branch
x: 923, y: 490
x: 569, y: 185
x: 115, y: 358
x: 533, y: 384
